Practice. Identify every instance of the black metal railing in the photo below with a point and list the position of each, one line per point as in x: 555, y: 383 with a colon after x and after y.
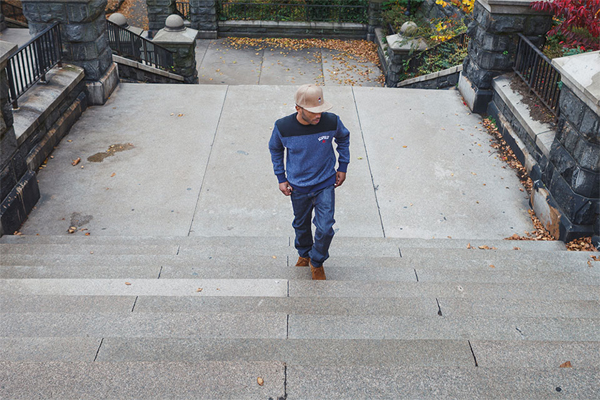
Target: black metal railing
x: 13, y: 12
x: 31, y: 62
x: 537, y: 72
x: 127, y: 44
x: 292, y: 12
x: 183, y: 8
x: 445, y: 52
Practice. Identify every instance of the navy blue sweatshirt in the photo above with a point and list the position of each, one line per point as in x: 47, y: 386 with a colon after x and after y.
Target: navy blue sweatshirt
x: 309, y: 155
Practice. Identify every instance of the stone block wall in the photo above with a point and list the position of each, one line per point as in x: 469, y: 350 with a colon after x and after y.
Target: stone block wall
x: 83, y: 28
x: 19, y: 191
x: 292, y: 29
x: 2, y: 22
x: 571, y: 173
x: 203, y: 17
x: 158, y: 11
x: 494, y: 42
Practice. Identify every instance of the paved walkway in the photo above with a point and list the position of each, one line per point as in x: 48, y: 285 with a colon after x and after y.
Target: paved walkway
x: 421, y: 166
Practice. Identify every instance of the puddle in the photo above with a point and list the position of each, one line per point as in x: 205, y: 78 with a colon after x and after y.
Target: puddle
x: 112, y: 149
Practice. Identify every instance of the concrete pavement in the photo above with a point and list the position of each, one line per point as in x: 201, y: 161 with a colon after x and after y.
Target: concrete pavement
x: 421, y: 167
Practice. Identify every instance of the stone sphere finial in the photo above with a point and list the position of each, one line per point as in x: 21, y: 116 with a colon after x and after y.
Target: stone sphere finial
x: 174, y: 23
x: 408, y: 28
x: 119, y: 19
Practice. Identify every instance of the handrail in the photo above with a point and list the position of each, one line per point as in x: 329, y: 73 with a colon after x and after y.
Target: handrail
x: 292, y: 12
x: 31, y: 62
x: 537, y: 71
x: 127, y: 44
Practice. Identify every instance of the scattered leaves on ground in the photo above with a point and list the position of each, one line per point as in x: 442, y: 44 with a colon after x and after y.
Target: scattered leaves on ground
x: 581, y: 244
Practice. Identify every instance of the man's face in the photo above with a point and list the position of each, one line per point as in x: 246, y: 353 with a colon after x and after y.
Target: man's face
x: 307, y: 117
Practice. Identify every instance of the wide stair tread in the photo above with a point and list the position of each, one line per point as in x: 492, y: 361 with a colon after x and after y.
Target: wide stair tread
x: 104, y: 317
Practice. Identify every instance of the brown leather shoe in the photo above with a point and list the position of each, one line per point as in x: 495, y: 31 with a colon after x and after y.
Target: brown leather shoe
x: 318, y: 274
x: 302, y: 262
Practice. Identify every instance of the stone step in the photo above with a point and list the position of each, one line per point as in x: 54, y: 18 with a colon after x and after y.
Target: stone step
x: 143, y: 380
x: 541, y: 290
x: 333, y: 352
x: 301, y: 326
x: 390, y: 306
x: 375, y: 382
x: 436, y: 258
x: 297, y: 351
x: 210, y: 380
x: 486, y: 273
x: 344, y: 244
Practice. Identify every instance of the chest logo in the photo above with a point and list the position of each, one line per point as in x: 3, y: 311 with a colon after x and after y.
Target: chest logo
x: 323, y: 139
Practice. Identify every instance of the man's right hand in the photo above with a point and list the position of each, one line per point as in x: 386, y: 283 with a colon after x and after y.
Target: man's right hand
x: 285, y: 188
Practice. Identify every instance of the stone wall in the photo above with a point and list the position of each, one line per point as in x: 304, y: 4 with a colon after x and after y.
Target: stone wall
x: 158, y: 11
x: 19, y: 191
x: 84, y: 39
x: 132, y: 71
x: 44, y: 119
x: 292, y: 29
x: 572, y: 171
x: 494, y: 38
x: 446, y: 79
x: 203, y: 18
x: 2, y: 22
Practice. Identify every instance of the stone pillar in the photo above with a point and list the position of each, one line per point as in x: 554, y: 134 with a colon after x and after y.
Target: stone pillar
x: 2, y: 22
x: 567, y: 197
x: 19, y: 190
x: 203, y: 16
x: 374, y: 18
x: 84, y: 39
x: 493, y: 44
x: 182, y: 42
x: 158, y: 11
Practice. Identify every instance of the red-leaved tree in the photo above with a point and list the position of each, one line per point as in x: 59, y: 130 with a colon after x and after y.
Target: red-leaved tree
x: 574, y: 15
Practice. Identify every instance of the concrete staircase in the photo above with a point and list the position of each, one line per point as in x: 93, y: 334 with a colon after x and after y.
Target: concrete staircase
x: 206, y: 317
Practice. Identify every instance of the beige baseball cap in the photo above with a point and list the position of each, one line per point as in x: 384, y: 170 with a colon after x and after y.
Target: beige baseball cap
x: 310, y: 97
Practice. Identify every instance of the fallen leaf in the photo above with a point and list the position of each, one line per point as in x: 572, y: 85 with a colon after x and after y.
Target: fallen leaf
x: 404, y: 147
x: 492, y: 266
x: 199, y: 289
x: 113, y: 174
x: 87, y: 234
x: 128, y: 283
x: 566, y: 364
x: 516, y: 248
x: 274, y: 257
x: 76, y: 161
x: 260, y: 381
x: 469, y: 246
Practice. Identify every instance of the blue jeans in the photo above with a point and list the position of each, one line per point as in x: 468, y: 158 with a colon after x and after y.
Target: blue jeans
x: 323, y: 204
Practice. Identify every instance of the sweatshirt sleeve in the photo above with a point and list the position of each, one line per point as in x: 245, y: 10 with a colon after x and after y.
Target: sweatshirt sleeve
x: 277, y: 154
x: 342, y: 139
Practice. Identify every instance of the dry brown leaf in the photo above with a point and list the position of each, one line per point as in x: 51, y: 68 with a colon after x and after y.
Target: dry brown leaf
x: 76, y: 161
x: 199, y: 289
x: 260, y: 381
x: 128, y: 283
x: 566, y: 364
x: 113, y: 174
x: 516, y: 248
x: 492, y: 266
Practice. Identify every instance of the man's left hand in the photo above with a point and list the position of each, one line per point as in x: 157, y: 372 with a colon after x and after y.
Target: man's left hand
x: 340, y: 177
